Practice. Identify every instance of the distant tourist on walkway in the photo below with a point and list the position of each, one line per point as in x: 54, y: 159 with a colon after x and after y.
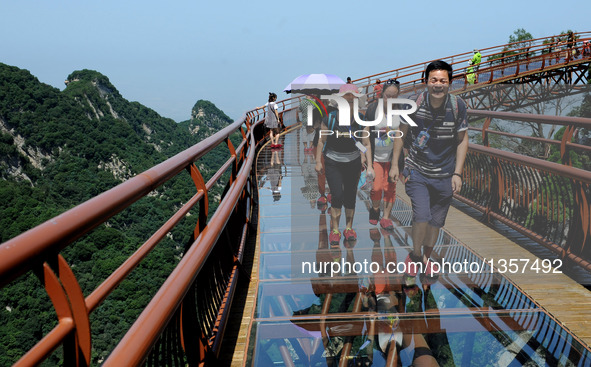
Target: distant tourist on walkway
x: 586, y: 48
x: 570, y: 40
x: 433, y: 167
x: 272, y: 120
x: 377, y: 89
x: 562, y: 46
x: 476, y: 59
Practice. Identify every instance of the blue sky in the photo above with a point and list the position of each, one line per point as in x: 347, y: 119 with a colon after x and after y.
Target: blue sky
x: 167, y: 55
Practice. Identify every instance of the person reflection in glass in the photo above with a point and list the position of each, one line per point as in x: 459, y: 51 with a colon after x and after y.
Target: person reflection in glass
x: 273, y: 174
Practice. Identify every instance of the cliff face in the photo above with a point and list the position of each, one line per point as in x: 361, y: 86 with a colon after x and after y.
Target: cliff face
x: 206, y: 119
x: 76, y: 143
x: 90, y: 120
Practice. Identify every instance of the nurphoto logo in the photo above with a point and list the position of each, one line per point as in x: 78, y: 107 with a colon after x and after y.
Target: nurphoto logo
x: 394, y: 107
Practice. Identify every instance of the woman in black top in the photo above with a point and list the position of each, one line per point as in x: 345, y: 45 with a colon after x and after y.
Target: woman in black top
x: 342, y: 148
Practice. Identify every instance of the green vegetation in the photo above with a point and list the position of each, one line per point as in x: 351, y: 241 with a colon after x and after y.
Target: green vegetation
x: 520, y: 42
x: 61, y: 148
x: 579, y: 159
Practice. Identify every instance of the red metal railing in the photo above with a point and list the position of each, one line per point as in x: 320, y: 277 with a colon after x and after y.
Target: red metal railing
x: 548, y: 202
x: 211, y: 256
x: 499, y: 63
x: 573, y: 126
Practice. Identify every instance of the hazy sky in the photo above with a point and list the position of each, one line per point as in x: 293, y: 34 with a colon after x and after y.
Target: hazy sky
x: 167, y: 55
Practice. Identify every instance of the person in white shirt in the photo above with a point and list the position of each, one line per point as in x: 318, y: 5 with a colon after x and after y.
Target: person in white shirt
x: 272, y: 120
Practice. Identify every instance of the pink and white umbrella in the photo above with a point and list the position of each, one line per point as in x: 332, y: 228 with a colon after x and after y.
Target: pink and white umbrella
x: 315, y: 84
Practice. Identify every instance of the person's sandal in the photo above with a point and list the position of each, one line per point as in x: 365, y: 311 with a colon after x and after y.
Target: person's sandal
x: 387, y: 224
x: 322, y: 200
x: 350, y: 234
x: 335, y: 238
x: 374, y: 216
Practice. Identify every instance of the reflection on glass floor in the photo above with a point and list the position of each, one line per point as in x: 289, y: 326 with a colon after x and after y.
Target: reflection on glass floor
x: 352, y: 305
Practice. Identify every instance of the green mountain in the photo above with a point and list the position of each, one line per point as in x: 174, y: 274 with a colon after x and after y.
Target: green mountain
x: 61, y: 148
x: 206, y: 119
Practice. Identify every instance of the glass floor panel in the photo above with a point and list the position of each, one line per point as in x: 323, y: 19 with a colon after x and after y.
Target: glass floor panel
x: 517, y: 338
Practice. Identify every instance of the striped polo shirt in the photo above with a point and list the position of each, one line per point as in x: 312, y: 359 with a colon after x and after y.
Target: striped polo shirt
x: 437, y: 156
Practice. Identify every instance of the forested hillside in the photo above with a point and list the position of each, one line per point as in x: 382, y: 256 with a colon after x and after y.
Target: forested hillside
x: 61, y: 148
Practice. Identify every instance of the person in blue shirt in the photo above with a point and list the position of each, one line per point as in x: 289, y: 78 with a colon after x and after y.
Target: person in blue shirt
x: 437, y: 150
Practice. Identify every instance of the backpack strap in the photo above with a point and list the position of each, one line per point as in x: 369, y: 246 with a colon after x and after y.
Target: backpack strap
x: 454, y: 106
x: 420, y: 99
x: 332, y: 118
x: 452, y: 98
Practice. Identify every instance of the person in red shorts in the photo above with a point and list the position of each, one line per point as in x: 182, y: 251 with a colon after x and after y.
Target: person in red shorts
x: 382, y: 143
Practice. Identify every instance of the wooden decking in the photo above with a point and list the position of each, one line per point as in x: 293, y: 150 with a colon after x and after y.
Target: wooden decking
x: 243, y: 314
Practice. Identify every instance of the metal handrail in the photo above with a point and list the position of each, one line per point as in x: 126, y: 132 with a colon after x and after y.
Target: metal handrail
x: 573, y: 125
x: 135, y: 345
x: 22, y: 253
x: 546, y: 201
x: 412, y: 76
x: 31, y: 249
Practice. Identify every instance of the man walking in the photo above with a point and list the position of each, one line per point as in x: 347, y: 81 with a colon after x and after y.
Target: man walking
x: 436, y: 154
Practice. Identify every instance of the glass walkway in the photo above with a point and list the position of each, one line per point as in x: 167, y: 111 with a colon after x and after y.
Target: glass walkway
x: 353, y: 305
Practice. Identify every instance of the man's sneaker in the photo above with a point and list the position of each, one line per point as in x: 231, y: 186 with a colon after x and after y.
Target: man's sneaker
x: 387, y: 224
x: 427, y: 281
x: 412, y: 265
x: 374, y: 216
x: 429, y: 269
x: 335, y: 238
x: 350, y: 234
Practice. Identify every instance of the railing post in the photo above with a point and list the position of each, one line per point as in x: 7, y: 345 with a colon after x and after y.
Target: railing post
x: 233, y: 154
x: 485, y: 127
x: 203, y: 203
x: 497, y: 191
x: 564, y: 153
x: 193, y: 339
x: 580, y: 224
